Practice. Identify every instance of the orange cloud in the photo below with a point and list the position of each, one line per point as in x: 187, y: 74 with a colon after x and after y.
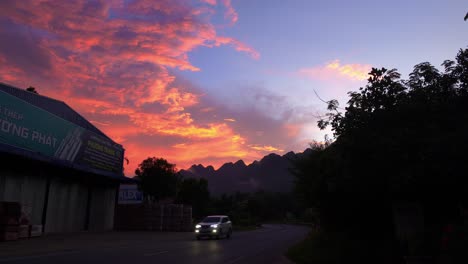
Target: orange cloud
x: 214, y: 151
x: 99, y: 123
x: 265, y: 148
x: 334, y: 69
x: 112, y: 62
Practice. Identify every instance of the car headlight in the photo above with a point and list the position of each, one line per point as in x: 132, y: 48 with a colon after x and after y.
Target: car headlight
x: 214, y: 226
x: 214, y: 231
x: 197, y: 226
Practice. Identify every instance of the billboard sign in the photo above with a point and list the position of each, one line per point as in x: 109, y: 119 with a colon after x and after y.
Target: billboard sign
x: 129, y: 194
x: 28, y: 127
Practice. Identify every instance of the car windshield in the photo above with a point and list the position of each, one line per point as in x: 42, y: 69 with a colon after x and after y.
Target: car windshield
x: 211, y: 219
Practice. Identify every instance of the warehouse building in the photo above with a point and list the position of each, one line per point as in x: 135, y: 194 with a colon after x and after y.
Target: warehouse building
x: 62, y: 169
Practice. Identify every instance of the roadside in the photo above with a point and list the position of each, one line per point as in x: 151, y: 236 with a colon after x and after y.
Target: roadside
x: 84, y: 240
x: 262, y: 245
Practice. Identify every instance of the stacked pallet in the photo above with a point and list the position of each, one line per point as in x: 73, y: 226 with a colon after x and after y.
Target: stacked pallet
x: 187, y: 222
x: 154, y: 217
x: 24, y: 230
x: 167, y: 218
x: 10, y: 213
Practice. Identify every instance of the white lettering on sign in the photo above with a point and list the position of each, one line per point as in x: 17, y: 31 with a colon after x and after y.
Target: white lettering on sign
x: 23, y: 132
x: 11, y: 128
x: 43, y: 139
x: 12, y: 114
x: 129, y: 194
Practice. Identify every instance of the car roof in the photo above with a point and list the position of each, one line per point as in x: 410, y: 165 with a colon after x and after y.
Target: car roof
x: 216, y: 216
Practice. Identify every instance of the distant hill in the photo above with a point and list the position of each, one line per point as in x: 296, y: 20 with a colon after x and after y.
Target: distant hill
x: 271, y: 173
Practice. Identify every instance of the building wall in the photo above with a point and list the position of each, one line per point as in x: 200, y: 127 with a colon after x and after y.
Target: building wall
x: 102, y: 208
x: 66, y: 209
x: 76, y: 201
x: 18, y: 186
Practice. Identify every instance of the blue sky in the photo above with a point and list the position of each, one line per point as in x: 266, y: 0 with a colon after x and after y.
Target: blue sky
x: 213, y: 81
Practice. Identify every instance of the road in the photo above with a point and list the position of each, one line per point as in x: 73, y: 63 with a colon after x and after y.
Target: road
x: 265, y: 245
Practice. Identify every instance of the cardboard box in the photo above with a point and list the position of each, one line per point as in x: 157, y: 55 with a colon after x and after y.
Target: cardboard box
x: 35, y: 230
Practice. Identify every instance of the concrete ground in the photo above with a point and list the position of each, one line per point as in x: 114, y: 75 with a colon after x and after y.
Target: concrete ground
x: 265, y: 245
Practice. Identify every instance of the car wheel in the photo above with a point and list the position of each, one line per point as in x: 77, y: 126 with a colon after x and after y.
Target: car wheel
x: 229, y: 234
x: 198, y: 238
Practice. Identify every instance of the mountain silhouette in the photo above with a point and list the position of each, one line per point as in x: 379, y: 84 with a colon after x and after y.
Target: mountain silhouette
x: 271, y: 173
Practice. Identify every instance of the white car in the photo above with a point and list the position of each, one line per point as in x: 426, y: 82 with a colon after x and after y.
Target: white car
x: 214, y: 226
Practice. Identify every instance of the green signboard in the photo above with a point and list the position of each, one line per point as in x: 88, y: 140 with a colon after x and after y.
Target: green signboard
x: 28, y: 127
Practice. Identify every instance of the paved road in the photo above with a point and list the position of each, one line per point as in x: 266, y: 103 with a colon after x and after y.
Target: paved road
x: 265, y: 245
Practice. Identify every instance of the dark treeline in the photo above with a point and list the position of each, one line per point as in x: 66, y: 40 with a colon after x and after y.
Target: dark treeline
x: 253, y: 209
x: 161, y: 182
x: 394, y: 182
x: 390, y: 188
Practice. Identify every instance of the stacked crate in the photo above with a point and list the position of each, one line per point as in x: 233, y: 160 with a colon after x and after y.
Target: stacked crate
x: 167, y: 218
x: 177, y: 212
x: 187, y: 222
x: 152, y: 217
x: 25, y: 222
x: 10, y: 213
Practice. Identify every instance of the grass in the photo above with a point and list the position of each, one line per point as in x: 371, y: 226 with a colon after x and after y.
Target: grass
x: 313, y: 249
x: 327, y: 248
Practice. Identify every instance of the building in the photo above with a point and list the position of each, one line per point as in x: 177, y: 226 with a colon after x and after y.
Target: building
x: 62, y: 169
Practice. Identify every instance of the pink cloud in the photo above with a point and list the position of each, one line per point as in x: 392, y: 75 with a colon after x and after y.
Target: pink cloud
x: 239, y: 46
x: 112, y: 61
x: 230, y: 13
x: 210, y: 2
x: 335, y: 69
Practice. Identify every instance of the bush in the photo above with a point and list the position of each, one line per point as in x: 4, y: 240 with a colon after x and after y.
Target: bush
x: 328, y: 248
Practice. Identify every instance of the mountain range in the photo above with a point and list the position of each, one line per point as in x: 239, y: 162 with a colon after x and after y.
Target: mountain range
x: 271, y: 173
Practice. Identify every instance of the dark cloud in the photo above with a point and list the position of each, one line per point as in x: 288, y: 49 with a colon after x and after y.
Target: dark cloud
x: 22, y: 47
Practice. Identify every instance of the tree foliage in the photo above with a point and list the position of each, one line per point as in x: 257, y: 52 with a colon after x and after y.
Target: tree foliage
x: 195, y: 193
x: 32, y: 90
x: 397, y: 140
x: 158, y: 178
x: 249, y: 209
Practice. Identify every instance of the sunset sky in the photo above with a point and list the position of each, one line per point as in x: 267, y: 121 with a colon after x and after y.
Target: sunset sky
x: 213, y: 81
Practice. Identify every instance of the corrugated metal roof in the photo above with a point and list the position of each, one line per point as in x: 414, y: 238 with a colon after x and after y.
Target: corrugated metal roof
x: 53, y: 106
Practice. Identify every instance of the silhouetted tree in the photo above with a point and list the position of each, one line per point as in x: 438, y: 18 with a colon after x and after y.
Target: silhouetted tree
x: 397, y: 140
x: 195, y: 193
x: 158, y: 178
x: 32, y: 90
